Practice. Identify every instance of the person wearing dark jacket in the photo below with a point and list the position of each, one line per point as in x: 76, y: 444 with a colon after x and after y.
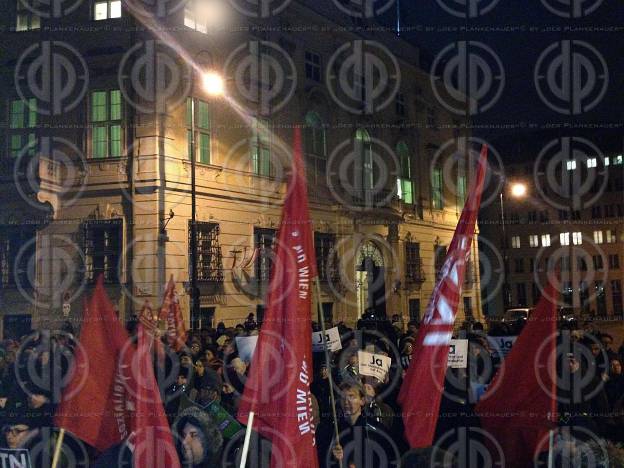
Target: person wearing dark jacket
x: 198, y: 439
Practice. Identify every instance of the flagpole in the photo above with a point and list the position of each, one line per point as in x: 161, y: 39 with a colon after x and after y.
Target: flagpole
x: 332, y: 398
x: 57, y: 448
x: 551, y: 440
x: 247, y: 439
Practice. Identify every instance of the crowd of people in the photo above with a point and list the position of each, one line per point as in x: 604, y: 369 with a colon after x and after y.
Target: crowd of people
x: 201, y: 388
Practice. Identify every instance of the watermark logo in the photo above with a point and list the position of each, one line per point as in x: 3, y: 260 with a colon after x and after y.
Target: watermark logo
x: 571, y: 77
x: 53, y: 72
x: 465, y: 447
x: 260, y: 8
x: 572, y: 8
x: 467, y: 8
x: 153, y: 77
x: 467, y: 77
x: 570, y: 173
x: 50, y: 8
x: 264, y: 75
x: 363, y: 77
x: 364, y: 8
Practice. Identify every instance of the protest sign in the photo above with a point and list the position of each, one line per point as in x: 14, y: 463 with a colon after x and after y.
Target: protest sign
x: 374, y: 365
x: 246, y: 346
x: 14, y: 458
x: 332, y: 338
x: 458, y: 354
x: 501, y: 345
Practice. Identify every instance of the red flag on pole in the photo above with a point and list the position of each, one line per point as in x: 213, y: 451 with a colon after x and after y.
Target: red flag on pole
x: 90, y: 407
x: 170, y: 311
x: 421, y: 392
x: 277, y: 389
x: 153, y: 442
x: 525, y: 386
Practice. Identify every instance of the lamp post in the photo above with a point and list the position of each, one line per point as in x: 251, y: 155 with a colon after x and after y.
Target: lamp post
x: 212, y: 83
x: 517, y: 190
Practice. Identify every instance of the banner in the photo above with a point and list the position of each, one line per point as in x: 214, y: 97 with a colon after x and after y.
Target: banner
x: 458, y: 354
x: 332, y: 338
x: 246, y: 345
x: 14, y: 458
x: 374, y: 365
x: 501, y: 345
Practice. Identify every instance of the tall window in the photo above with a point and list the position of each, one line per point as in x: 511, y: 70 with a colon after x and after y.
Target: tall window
x: 324, y: 247
x: 598, y: 262
x: 263, y: 241
x: 439, y: 257
x: 601, y: 299
x: 437, y: 198
x: 102, y: 249
x: 610, y: 236
x: 584, y: 295
x: 399, y: 105
x: 567, y: 293
x: 461, y: 190
x: 413, y: 264
x: 596, y: 211
x: 515, y: 242
x: 519, y: 265
x: 598, y: 237
x: 404, y: 181
x: 577, y: 238
x: 564, y: 238
x: 315, y: 144
x: 533, y: 240
x: 106, y: 9
x: 261, y: 149
x: 202, y: 129
x: 26, y: 20
x: 208, y: 252
x: 545, y: 240
x: 614, y: 261
x: 17, y: 255
x: 312, y: 66
x: 521, y: 294
x: 22, y: 123
x: 616, y: 296
x: 106, y: 119
x: 364, y: 149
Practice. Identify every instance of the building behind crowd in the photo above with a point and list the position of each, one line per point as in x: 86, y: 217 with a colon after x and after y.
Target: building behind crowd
x: 567, y: 215
x: 97, y: 175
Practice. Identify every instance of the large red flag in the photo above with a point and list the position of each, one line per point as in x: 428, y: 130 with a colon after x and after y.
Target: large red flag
x: 153, y: 442
x: 93, y: 406
x: 525, y: 387
x: 171, y: 313
x: 421, y: 392
x: 277, y: 389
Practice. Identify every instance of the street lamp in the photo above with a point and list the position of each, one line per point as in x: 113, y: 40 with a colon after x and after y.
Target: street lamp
x: 516, y: 190
x: 212, y: 83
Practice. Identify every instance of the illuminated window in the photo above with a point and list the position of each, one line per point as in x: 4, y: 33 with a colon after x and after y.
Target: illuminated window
x: 598, y: 237
x: 577, y: 238
x: 545, y: 240
x: 533, y: 240
x: 108, y: 9
x: 564, y: 238
x: 515, y: 242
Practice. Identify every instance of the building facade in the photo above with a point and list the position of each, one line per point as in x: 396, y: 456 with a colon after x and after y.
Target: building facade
x: 105, y: 106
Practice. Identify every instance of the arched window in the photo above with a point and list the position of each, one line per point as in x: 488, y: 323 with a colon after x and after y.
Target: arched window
x: 364, y: 177
x: 315, y: 145
x: 405, y: 187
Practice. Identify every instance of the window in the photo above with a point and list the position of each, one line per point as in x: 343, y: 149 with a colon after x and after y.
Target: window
x: 17, y: 255
x: 404, y: 181
x: 614, y: 261
x: 564, y: 238
x: 324, y: 247
x: 598, y: 237
x: 107, y: 9
x: 616, y: 296
x: 515, y: 242
x: 545, y: 240
x: 208, y: 252
x: 437, y: 198
x: 261, y: 149
x: 461, y: 190
x: 414, y: 309
x: 564, y: 263
x: 563, y: 215
x: 102, y: 249
x: 364, y: 152
x: 584, y: 296
x: 202, y: 129
x: 399, y: 105
x: 606, y: 161
x: 617, y: 160
x: 533, y: 240
x: 570, y: 165
x: 202, y: 15
x: 518, y: 265
x: 535, y: 293
x: 106, y: 121
x: 543, y: 216
x: 567, y: 292
x: 609, y: 211
x: 610, y: 236
x: 581, y: 264
x: 315, y: 144
x: 531, y: 265
x: 577, y: 238
x: 468, y: 313
x: 413, y: 264
x: 521, y: 294
x: 576, y: 214
x: 601, y: 300
x: 596, y: 212
x: 27, y: 20
x: 263, y: 241
x: 439, y: 257
x: 532, y: 216
x: 22, y: 122
x: 592, y: 162
x: 598, y: 263
x: 312, y: 66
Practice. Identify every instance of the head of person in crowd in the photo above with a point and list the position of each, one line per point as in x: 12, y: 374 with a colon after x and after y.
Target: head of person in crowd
x: 250, y: 323
x: 352, y: 401
x: 16, y: 430
x: 615, y: 368
x: 197, y: 437
x: 239, y: 329
x: 195, y: 348
x: 607, y: 342
x: 406, y: 346
x: 210, y: 353
x: 186, y: 359
x: 371, y: 387
x: 200, y: 367
x: 229, y: 347
x: 322, y: 371
x: 412, y: 327
x: 209, y: 387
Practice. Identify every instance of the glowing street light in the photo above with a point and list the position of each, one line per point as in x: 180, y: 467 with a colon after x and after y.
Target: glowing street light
x: 518, y: 190
x: 213, y: 84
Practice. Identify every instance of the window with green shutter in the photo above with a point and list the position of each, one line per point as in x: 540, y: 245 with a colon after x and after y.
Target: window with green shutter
x: 261, y: 149
x: 22, y: 121
x: 106, y: 121
x: 315, y: 145
x: 437, y: 199
x: 202, y: 130
x: 461, y: 190
x: 405, y: 189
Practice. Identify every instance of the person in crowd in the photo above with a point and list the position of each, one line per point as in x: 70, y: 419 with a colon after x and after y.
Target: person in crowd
x: 406, y: 347
x: 412, y: 328
x: 375, y: 409
x: 614, y: 387
x: 607, y: 345
x: 198, y: 439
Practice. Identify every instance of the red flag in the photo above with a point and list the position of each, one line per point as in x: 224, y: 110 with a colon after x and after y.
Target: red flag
x: 93, y: 406
x: 277, y: 389
x: 421, y: 392
x: 170, y: 311
x: 525, y: 387
x: 153, y: 442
